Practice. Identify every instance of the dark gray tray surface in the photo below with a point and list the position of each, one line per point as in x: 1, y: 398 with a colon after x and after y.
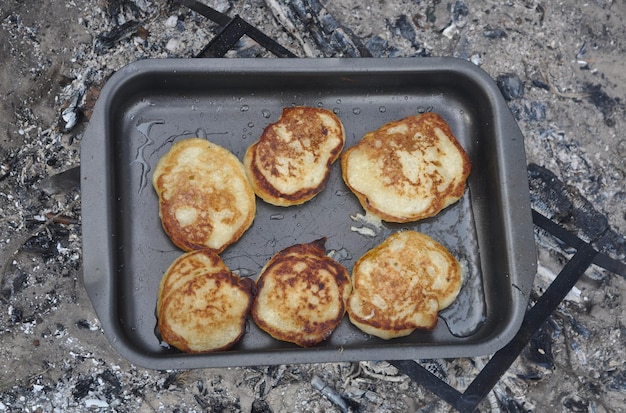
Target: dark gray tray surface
x: 150, y: 104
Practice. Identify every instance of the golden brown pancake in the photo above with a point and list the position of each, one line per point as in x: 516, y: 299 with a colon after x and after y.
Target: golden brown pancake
x: 291, y: 161
x: 186, y: 267
x: 202, y: 306
x: 407, y: 170
x: 400, y: 285
x: 205, y: 199
x: 301, y: 295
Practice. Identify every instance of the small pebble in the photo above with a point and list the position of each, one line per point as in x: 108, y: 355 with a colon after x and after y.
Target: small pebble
x: 172, y: 45
x: 171, y: 22
x: 496, y: 33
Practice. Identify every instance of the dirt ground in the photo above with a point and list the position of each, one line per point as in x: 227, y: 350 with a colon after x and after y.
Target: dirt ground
x: 561, y: 65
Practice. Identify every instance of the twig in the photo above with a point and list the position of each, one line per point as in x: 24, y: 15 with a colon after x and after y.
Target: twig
x: 556, y: 91
x: 16, y: 245
x: 279, y: 13
x: 330, y: 394
x: 11, y: 381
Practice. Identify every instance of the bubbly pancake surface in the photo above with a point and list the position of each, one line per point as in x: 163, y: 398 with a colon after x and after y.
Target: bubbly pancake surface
x: 291, y: 161
x: 301, y: 295
x: 400, y: 285
x: 407, y: 169
x: 205, y: 199
x: 202, y: 306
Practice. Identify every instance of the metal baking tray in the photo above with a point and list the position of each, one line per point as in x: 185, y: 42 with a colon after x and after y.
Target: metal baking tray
x: 150, y: 104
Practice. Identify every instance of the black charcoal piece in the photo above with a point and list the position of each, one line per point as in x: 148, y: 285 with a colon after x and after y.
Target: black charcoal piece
x: 511, y: 86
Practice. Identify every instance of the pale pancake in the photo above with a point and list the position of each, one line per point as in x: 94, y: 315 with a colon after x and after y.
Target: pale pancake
x: 400, y: 285
x: 407, y: 170
x: 205, y: 199
x: 202, y: 306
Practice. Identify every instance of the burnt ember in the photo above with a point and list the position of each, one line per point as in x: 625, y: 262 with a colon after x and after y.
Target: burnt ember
x: 539, y: 351
x: 107, y: 40
x: 511, y: 86
x: 607, y: 105
x: 565, y: 205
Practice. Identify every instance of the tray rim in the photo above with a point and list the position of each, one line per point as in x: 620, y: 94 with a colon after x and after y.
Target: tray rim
x: 98, y: 260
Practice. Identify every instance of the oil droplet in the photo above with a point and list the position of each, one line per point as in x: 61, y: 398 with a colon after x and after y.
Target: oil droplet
x: 339, y: 101
x: 340, y: 255
x: 461, y: 111
x: 406, y: 98
x: 243, y: 272
x: 320, y: 104
x: 421, y: 110
x: 467, y: 314
x: 140, y: 157
x: 336, y: 111
x: 276, y: 217
x: 382, y: 109
x: 201, y: 133
x: 244, y: 108
x: 251, y: 125
x: 356, y: 111
x: 164, y: 344
x: 266, y: 113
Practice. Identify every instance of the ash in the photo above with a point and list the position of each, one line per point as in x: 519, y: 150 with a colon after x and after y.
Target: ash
x: 560, y: 66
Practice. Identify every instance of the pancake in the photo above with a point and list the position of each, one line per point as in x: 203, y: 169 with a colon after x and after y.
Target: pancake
x: 201, y: 306
x: 301, y: 295
x: 186, y: 267
x: 205, y: 199
x: 407, y: 170
x: 291, y: 161
x: 400, y: 285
